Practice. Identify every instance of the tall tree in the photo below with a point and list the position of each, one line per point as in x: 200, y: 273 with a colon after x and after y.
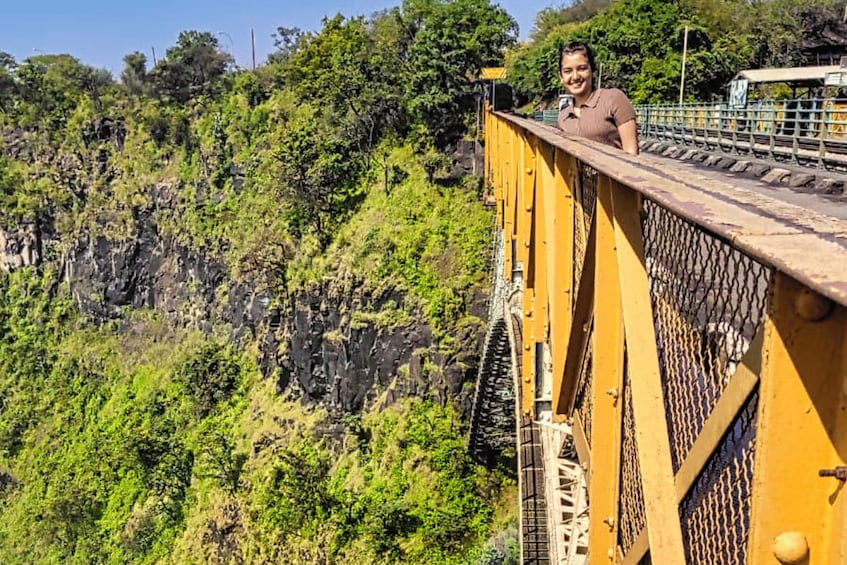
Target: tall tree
x: 454, y: 40
x: 8, y: 87
x: 51, y: 85
x: 287, y: 41
x: 134, y: 74
x: 353, y: 73
x: 191, y: 68
x: 317, y: 169
x: 552, y: 18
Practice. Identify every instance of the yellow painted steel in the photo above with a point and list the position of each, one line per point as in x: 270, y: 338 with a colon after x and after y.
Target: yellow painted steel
x: 802, y: 426
x: 507, y: 171
x: 577, y: 344
x: 539, y: 267
x: 558, y: 188
x: 608, y: 358
x: 797, y: 364
x: 492, y: 73
x: 651, y: 429
x: 527, y: 189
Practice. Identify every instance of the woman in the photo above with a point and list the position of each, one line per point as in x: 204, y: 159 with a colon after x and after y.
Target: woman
x: 603, y: 114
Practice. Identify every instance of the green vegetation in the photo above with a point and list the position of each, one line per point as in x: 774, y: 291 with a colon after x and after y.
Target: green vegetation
x: 138, y: 440
x: 147, y: 444
x: 639, y: 43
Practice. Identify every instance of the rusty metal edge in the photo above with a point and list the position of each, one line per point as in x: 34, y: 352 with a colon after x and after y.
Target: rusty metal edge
x: 823, y: 265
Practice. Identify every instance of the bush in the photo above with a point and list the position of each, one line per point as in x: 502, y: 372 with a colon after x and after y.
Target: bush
x: 210, y: 376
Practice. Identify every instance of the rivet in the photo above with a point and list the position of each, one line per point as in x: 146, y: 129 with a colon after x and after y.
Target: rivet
x: 611, y: 553
x: 528, y: 171
x: 811, y: 306
x: 526, y: 347
x: 839, y: 473
x: 791, y: 548
x: 529, y: 208
x: 526, y: 244
x: 528, y: 313
x: 527, y: 380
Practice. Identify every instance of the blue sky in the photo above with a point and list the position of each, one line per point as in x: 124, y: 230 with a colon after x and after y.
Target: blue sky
x: 101, y: 32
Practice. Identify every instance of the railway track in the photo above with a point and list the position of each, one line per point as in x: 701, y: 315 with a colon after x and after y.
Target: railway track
x: 801, y: 150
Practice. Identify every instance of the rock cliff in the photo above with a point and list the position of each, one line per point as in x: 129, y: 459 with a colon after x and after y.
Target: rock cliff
x: 327, y: 344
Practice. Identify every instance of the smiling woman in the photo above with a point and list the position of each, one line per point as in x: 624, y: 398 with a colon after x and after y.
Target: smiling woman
x: 604, y: 114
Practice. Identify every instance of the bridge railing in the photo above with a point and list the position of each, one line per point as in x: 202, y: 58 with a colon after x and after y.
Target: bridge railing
x: 696, y: 334
x: 812, y: 131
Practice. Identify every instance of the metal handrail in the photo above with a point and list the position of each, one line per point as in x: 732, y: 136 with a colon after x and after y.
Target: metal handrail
x: 804, y: 131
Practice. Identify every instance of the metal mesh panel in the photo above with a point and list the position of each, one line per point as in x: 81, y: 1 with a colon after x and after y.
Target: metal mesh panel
x: 708, y: 303
x: 588, y: 191
x: 716, y: 512
x: 631, y: 518
x: 586, y: 203
x: 583, y: 402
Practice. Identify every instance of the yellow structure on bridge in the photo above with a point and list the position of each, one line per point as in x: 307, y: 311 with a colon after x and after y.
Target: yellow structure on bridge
x: 695, y: 334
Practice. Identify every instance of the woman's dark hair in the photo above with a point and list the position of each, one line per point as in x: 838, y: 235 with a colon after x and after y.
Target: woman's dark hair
x: 577, y: 47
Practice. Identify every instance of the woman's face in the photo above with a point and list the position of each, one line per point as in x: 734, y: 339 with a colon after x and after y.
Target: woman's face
x: 575, y: 74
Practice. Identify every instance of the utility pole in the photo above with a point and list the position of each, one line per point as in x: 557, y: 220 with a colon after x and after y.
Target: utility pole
x: 154, y: 55
x: 684, y: 55
x: 253, y: 46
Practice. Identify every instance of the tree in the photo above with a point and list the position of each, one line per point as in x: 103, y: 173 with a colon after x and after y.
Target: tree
x: 51, y: 85
x: 452, y: 42
x: 191, y: 68
x: 8, y: 88
x: 348, y: 71
x: 288, y: 41
x: 317, y: 169
x: 134, y: 74
x: 552, y: 19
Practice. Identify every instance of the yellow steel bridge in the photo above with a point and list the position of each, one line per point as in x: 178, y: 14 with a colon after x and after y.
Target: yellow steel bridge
x: 677, y: 344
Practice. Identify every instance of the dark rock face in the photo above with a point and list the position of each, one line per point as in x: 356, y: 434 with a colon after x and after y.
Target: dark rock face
x: 148, y: 270
x: 348, y: 365
x: 313, y: 343
x: 466, y: 159
x: 20, y: 248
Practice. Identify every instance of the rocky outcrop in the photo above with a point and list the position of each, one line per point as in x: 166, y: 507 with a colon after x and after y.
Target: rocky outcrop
x: 20, y: 247
x: 151, y: 270
x: 333, y: 356
x: 466, y: 159
x: 331, y: 344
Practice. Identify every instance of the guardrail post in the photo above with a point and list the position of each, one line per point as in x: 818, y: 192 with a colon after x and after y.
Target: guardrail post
x: 798, y: 516
x: 559, y: 184
x: 506, y: 152
x: 608, y: 360
x: 526, y: 198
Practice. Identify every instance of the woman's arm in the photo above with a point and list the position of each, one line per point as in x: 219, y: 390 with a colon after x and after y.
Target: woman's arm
x: 629, y: 137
